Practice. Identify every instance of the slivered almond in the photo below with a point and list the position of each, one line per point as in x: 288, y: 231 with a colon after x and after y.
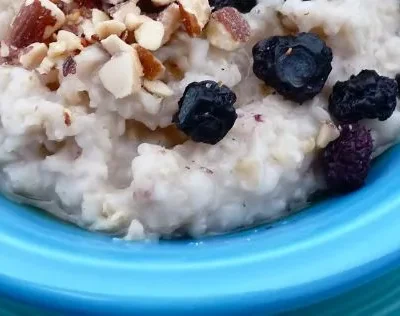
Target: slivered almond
x: 36, y: 21
x: 153, y: 69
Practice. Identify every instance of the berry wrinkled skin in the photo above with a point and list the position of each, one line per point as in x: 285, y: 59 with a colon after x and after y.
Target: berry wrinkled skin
x: 346, y: 161
x: 297, y: 67
x: 365, y: 96
x: 243, y: 6
x: 206, y: 113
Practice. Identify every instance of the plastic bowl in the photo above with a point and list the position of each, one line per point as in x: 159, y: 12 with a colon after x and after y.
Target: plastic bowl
x: 331, y: 247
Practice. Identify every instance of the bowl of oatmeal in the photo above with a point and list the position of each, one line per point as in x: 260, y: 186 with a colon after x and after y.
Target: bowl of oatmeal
x: 180, y: 132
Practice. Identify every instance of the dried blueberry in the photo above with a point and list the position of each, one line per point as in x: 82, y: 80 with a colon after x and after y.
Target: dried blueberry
x: 296, y: 66
x: 346, y: 161
x: 397, y: 78
x: 243, y: 6
x: 206, y: 112
x: 365, y: 96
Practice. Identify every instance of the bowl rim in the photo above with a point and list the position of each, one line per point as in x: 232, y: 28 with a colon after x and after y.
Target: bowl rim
x: 337, y: 245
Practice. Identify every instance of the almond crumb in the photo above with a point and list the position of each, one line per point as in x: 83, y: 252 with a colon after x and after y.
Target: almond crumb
x: 107, y: 28
x: 158, y: 88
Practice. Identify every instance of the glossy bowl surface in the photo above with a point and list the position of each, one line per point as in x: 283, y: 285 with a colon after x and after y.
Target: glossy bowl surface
x: 323, y: 251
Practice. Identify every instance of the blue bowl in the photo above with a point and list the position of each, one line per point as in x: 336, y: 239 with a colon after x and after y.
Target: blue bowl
x: 331, y: 247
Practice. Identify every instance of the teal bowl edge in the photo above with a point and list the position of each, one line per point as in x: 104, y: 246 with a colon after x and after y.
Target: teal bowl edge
x: 328, y: 249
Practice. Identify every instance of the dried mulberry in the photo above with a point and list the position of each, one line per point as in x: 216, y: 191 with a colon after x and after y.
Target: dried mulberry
x: 346, y: 161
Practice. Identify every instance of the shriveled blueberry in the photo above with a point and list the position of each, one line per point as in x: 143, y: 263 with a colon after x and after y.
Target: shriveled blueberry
x: 206, y: 112
x: 346, y: 160
x: 243, y: 6
x: 365, y: 96
x: 297, y: 67
x: 397, y: 78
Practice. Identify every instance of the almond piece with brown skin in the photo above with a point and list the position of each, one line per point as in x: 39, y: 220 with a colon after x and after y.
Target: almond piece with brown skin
x: 153, y: 69
x: 36, y: 21
x: 195, y: 15
x: 228, y: 29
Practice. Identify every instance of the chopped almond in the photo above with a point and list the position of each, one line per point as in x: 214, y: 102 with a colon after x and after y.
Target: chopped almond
x: 327, y: 133
x: 227, y: 29
x: 152, y: 67
x: 171, y: 19
x: 195, y: 15
x: 34, y: 55
x: 99, y: 16
x: 158, y: 88
x: 150, y: 35
x: 72, y: 41
x: 120, y: 11
x: 36, y: 21
x: 107, y: 28
x: 133, y: 21
x: 122, y: 74
x: 57, y: 49
x: 46, y: 66
x: 113, y: 45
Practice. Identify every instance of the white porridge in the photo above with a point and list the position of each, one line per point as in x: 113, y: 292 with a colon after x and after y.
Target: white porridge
x: 86, y: 111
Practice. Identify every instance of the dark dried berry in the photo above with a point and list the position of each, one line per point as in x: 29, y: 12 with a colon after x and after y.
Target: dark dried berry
x: 243, y: 6
x: 346, y: 161
x: 365, y: 96
x: 397, y: 78
x: 296, y: 66
x: 206, y: 112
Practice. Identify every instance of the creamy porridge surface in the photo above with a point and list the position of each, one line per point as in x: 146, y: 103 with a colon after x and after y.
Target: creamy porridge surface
x: 87, y: 111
